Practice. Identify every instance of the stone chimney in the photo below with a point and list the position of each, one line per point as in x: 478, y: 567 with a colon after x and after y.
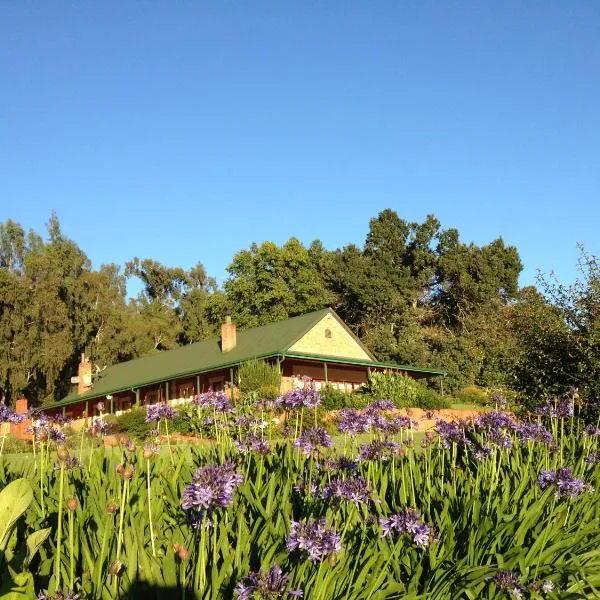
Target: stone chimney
x: 228, y: 335
x: 84, y: 375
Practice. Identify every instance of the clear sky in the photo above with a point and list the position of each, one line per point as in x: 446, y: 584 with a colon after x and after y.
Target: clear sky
x: 183, y: 131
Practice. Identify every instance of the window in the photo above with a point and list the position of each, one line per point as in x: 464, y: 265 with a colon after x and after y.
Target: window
x: 328, y: 333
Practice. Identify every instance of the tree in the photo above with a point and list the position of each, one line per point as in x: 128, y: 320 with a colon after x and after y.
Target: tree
x: 269, y: 283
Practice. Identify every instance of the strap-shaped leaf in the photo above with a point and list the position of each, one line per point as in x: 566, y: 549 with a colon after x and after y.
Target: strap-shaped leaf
x: 15, y: 498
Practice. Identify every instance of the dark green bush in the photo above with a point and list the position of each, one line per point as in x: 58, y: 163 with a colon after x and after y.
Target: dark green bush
x: 472, y: 395
x: 334, y: 399
x: 429, y: 399
x: 132, y: 423
x: 260, y: 377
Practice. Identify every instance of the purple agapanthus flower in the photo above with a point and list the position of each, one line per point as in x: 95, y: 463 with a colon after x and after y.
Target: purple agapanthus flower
x: 592, y: 431
x: 70, y: 463
x: 451, y: 433
x: 252, y: 443
x: 509, y: 581
x: 382, y: 450
x: 161, y: 410
x: 68, y: 595
x: 212, y: 487
x: 565, y: 483
x: 593, y: 458
x: 218, y: 401
x: 265, y: 585
x: 352, y: 489
x: 8, y: 415
x: 312, y: 439
x: 343, y: 463
x: 561, y: 408
x: 533, y: 432
x: 353, y: 422
x: 408, y: 522
x: 98, y: 428
x: 378, y: 406
x: 315, y: 537
x: 306, y: 397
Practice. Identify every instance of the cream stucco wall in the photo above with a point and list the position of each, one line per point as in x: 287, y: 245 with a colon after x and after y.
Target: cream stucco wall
x: 341, y: 343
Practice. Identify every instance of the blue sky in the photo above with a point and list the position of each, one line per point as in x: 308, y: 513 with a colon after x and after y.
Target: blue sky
x: 184, y: 131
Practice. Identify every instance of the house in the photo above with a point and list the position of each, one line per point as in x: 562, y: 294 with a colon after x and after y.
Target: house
x: 317, y: 344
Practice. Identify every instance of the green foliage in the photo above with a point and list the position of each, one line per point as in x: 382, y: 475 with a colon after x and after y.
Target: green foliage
x: 260, y: 377
x: 404, y: 392
x: 472, y: 395
x: 334, y: 399
x: 132, y: 423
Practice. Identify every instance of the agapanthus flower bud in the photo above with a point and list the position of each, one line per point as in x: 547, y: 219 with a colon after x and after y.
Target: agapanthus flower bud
x: 72, y: 504
x: 181, y: 551
x: 115, y: 567
x: 112, y: 508
x: 62, y: 453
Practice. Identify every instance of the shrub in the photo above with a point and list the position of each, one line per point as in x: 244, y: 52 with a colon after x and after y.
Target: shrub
x: 133, y: 423
x: 429, y: 399
x: 260, y: 377
x: 472, y: 395
x: 334, y: 399
x: 401, y: 390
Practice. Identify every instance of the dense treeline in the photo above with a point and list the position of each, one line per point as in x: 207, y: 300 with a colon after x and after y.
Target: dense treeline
x: 414, y: 293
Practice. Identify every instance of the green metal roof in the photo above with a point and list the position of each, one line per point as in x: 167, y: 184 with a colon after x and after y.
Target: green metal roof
x: 267, y: 341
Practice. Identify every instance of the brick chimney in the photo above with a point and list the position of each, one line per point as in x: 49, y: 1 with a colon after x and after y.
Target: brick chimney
x: 228, y: 335
x: 84, y: 375
x: 20, y: 430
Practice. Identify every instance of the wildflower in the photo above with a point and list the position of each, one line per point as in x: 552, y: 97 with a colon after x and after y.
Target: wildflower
x: 218, y: 401
x: 212, y: 487
x: 315, y: 537
x: 592, y: 431
x: 150, y: 450
x: 353, y: 489
x: 98, y: 428
x: 450, y: 433
x: 509, y: 581
x: 156, y: 412
x: 565, y: 483
x: 68, y: 595
x: 265, y: 585
x: 533, y: 432
x: 8, y: 415
x: 379, y: 406
x: 353, y: 422
x: 408, y: 522
x: 311, y: 439
x: 378, y: 450
x: 252, y: 443
x: 342, y: 463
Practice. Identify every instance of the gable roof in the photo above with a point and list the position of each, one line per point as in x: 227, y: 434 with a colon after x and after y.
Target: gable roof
x: 270, y: 340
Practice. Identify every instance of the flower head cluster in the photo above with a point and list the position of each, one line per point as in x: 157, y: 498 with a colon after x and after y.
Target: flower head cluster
x: 592, y: 431
x: 161, y: 410
x: 353, y: 422
x: 212, y: 487
x: 408, y: 522
x: 301, y: 397
x: 265, y: 585
x: 509, y: 581
x: 498, y: 399
x: 451, y: 433
x: 98, y: 428
x: 382, y: 450
x: 342, y: 463
x: 8, y: 415
x: 352, y: 489
x: 593, y: 458
x: 70, y: 463
x: 218, y: 401
x: 378, y: 406
x: 557, y: 408
x: 533, y: 432
x: 68, y: 595
x: 252, y: 443
x: 314, y: 537
x: 565, y: 483
x: 392, y: 425
x: 312, y: 439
